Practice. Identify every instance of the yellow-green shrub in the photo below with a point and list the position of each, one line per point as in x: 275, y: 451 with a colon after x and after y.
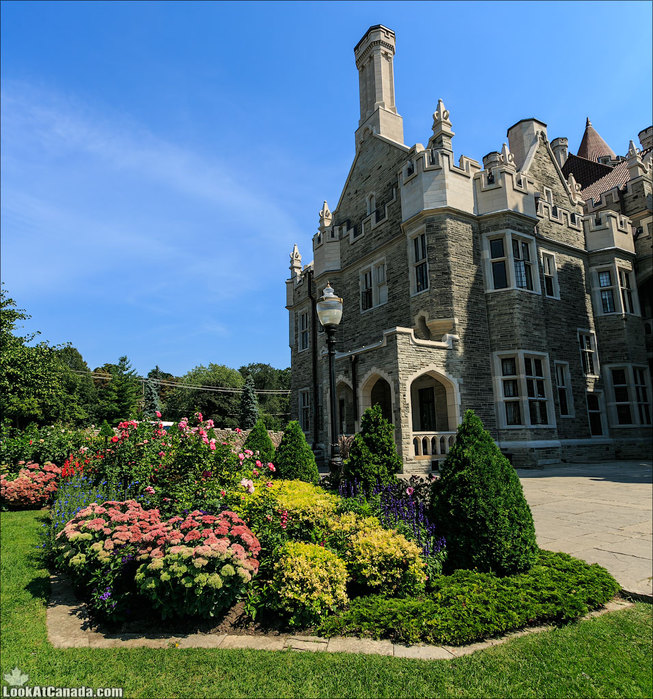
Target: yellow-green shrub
x: 378, y: 560
x: 308, y: 583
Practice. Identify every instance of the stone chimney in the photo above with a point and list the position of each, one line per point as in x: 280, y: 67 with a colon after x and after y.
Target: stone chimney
x: 521, y: 138
x: 374, y: 59
x: 560, y: 148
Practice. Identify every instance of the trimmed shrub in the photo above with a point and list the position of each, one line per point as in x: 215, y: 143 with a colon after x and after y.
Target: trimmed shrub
x: 294, y: 458
x: 378, y: 560
x: 258, y: 440
x: 480, y: 508
x: 469, y: 606
x: 248, y: 405
x: 373, y: 455
x: 308, y: 583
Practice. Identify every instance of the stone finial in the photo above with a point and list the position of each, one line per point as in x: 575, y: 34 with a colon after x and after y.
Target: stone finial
x: 507, y: 158
x: 295, y: 262
x: 574, y: 189
x: 442, y: 132
x: 326, y: 217
x: 636, y: 166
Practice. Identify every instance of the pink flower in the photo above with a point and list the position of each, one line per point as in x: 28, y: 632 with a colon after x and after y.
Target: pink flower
x: 410, y: 491
x: 259, y: 464
x: 241, y: 456
x: 255, y: 473
x: 114, y: 438
x: 149, y: 490
x: 162, y: 453
x: 268, y: 484
x: 158, y: 414
x: 272, y: 468
x: 248, y: 485
x: 223, y: 493
x: 238, y: 430
x: 199, y: 417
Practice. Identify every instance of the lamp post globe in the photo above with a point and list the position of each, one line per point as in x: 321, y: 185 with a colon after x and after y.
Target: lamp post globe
x: 329, y: 312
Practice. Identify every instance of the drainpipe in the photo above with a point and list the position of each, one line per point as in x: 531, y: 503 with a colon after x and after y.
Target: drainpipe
x: 314, y: 322
x: 353, y: 360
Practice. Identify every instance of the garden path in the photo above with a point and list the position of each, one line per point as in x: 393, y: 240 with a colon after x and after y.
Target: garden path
x: 601, y: 513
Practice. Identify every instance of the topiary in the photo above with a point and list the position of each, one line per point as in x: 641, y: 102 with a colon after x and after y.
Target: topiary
x: 248, y: 405
x: 480, y: 508
x: 294, y: 458
x: 258, y: 440
x: 373, y: 455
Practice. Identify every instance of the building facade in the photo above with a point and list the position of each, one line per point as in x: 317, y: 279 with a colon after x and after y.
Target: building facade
x: 514, y: 288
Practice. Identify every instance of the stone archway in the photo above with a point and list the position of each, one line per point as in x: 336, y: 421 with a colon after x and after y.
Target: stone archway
x: 381, y: 394
x: 346, y: 415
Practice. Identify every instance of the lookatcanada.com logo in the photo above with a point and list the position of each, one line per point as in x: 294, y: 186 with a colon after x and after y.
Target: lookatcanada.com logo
x: 17, y: 687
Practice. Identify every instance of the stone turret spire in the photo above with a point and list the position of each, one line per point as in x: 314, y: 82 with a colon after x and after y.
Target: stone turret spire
x: 442, y: 131
x: 507, y: 157
x: 593, y: 147
x: 295, y: 262
x: 326, y: 217
x: 636, y: 167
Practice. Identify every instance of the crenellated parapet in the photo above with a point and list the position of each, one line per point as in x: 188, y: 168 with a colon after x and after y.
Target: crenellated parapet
x: 608, y: 229
x: 326, y: 244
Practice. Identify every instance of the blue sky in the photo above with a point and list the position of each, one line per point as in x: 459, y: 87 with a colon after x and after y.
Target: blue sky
x: 159, y: 159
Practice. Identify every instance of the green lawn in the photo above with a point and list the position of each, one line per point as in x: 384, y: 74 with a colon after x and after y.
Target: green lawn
x: 609, y: 656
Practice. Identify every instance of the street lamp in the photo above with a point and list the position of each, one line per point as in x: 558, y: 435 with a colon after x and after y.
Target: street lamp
x: 329, y: 311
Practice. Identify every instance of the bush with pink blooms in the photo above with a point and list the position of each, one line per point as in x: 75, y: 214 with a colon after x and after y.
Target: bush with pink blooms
x: 200, y: 567
x: 34, y: 486
x: 192, y: 565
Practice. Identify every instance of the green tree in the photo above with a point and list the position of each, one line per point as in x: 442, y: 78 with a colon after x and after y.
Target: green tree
x: 121, y: 394
x: 78, y: 385
x: 373, y: 454
x: 259, y: 440
x: 151, y: 402
x: 222, y: 407
x: 294, y: 458
x: 31, y: 386
x: 248, y: 405
x: 158, y: 376
x: 480, y: 508
x: 274, y: 408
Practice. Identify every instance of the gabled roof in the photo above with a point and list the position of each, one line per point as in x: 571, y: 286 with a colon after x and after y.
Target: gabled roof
x: 593, y: 147
x: 585, y: 171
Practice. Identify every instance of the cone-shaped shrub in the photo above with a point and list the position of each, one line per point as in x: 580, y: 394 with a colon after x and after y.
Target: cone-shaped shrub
x: 480, y: 508
x: 294, y: 459
x: 258, y: 440
x: 373, y: 455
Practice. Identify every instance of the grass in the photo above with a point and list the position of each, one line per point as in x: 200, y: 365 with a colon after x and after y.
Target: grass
x: 609, y: 656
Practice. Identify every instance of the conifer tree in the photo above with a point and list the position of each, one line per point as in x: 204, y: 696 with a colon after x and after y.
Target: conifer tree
x: 373, y: 454
x: 152, y: 404
x: 480, y: 508
x: 248, y: 405
x: 294, y: 458
x: 259, y: 441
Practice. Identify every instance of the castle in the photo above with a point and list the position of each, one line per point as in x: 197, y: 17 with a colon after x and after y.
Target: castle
x: 520, y: 289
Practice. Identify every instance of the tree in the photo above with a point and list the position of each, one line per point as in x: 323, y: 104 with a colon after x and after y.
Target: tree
x: 158, y: 375
x: 120, y: 395
x: 480, y: 508
x: 373, y: 454
x: 31, y: 387
x: 78, y: 385
x: 248, y: 405
x: 221, y: 406
x: 274, y: 408
x: 258, y: 440
x: 294, y: 458
x: 151, y: 402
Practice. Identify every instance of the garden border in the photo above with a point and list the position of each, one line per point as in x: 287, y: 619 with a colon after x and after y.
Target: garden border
x: 68, y: 627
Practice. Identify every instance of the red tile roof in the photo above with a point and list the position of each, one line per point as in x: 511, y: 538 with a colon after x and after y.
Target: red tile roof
x: 617, y: 177
x: 585, y: 171
x: 593, y: 147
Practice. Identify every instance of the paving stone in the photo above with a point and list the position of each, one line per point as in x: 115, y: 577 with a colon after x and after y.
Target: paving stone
x: 303, y: 644
x: 198, y: 640
x: 258, y: 642
x: 366, y: 646
x: 422, y: 652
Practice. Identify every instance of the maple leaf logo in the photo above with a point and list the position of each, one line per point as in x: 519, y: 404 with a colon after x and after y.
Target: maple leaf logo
x: 16, y: 678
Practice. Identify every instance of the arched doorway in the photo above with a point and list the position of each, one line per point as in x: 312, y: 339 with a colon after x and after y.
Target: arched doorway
x: 381, y: 394
x: 434, y: 414
x: 346, y: 416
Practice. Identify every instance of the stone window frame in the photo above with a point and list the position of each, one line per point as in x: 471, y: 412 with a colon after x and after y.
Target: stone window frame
x: 637, y: 385
x: 617, y: 291
x: 378, y: 288
x: 565, y: 388
x: 303, y: 330
x: 601, y: 412
x: 590, y: 352
x: 508, y: 258
x: 414, y: 263
x: 547, y: 254
x: 304, y: 409
x: 523, y: 382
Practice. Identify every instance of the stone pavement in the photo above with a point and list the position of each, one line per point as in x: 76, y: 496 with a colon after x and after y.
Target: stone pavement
x: 68, y: 628
x: 599, y: 512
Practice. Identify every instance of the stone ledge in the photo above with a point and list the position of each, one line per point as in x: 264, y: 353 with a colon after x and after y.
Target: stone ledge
x: 68, y: 628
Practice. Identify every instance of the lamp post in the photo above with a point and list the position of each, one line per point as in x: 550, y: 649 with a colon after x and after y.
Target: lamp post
x: 329, y: 311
